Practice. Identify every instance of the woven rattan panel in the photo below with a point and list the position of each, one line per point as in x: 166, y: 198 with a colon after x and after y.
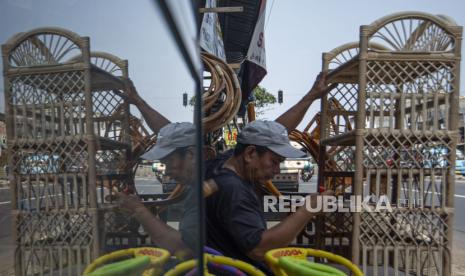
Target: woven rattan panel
x: 69, y: 145
x: 389, y: 129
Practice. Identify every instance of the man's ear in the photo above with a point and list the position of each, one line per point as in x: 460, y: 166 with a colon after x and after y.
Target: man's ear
x: 209, y: 152
x: 250, y: 153
x: 191, y: 151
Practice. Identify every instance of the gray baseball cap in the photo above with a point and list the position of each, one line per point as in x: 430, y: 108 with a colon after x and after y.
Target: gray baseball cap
x: 170, y: 138
x: 269, y: 134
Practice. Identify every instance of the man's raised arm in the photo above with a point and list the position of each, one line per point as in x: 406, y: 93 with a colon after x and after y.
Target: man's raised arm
x: 152, y: 117
x: 294, y: 115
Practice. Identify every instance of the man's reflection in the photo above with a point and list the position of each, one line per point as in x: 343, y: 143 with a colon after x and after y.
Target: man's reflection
x: 175, y: 148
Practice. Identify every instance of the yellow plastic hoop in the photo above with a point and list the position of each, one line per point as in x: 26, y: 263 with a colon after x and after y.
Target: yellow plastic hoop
x: 187, y: 265
x: 158, y: 257
x: 272, y: 258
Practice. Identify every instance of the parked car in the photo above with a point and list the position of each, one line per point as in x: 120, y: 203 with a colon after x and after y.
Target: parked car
x: 291, y: 171
x: 159, y: 169
x: 39, y: 163
x: 307, y: 172
x: 460, y: 163
x: 438, y: 158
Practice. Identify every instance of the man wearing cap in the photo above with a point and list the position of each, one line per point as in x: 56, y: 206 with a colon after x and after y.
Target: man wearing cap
x: 175, y: 148
x: 235, y: 219
x: 250, y: 164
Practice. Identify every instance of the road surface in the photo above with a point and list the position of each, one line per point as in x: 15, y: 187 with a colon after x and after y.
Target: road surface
x: 152, y: 186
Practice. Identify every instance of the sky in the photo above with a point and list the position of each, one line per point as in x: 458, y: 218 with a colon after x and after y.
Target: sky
x: 132, y: 30
x: 297, y: 32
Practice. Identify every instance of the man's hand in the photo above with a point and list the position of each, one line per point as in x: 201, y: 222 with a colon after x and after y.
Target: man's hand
x: 130, y: 93
x: 320, y: 87
x: 130, y: 203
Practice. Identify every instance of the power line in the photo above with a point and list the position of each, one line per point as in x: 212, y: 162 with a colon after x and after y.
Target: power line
x: 269, y: 17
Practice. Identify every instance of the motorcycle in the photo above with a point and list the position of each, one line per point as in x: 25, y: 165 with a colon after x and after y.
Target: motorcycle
x: 306, y: 174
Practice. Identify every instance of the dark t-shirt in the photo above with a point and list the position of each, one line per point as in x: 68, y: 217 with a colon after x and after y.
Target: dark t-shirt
x: 234, y: 216
x: 188, y: 224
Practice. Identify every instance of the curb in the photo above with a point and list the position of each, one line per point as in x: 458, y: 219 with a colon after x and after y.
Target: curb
x: 4, y: 183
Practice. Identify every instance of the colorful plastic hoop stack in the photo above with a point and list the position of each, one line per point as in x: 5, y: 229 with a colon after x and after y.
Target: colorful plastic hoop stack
x: 132, y: 261
x: 181, y: 268
x: 293, y: 261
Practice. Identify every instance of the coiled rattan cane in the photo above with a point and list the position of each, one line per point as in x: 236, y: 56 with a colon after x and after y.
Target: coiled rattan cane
x: 222, y: 99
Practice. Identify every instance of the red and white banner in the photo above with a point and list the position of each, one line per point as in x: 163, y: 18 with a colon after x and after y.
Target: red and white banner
x: 211, y: 38
x: 255, y: 63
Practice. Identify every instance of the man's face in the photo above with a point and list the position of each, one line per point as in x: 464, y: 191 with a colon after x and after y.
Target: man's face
x: 179, y: 165
x: 264, y: 166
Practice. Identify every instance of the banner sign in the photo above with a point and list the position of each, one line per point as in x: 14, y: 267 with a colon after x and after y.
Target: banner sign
x: 211, y: 38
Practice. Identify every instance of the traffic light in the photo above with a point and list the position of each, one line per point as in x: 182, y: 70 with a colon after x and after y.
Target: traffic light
x: 184, y: 99
x: 280, y: 96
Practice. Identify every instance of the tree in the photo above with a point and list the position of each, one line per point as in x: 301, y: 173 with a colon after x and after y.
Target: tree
x: 192, y: 101
x: 263, y: 99
x: 260, y: 95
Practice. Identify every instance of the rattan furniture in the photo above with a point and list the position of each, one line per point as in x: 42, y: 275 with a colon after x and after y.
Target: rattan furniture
x: 389, y: 129
x: 68, y: 144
